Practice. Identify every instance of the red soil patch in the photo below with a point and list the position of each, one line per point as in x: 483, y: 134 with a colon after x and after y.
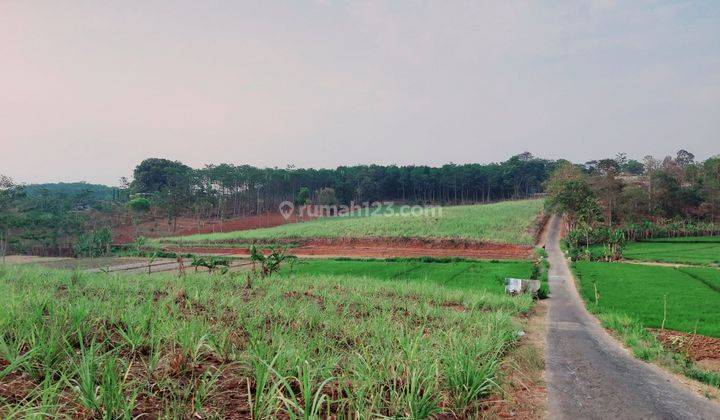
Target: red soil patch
x: 125, y: 233
x: 697, y: 347
x: 15, y: 387
x: 389, y: 248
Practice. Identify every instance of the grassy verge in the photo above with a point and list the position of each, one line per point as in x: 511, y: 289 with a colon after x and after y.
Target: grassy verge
x: 298, y: 345
x: 628, y: 299
x: 506, y: 222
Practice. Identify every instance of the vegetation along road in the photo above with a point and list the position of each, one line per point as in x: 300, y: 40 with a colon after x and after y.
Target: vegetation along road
x: 590, y: 375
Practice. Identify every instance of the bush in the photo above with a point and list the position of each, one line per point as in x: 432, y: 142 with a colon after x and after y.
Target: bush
x: 211, y: 263
x: 579, y: 240
x: 138, y: 205
x: 93, y: 243
x: 544, y: 291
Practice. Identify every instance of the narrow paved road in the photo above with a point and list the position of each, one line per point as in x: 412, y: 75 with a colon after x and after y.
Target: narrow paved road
x: 590, y: 376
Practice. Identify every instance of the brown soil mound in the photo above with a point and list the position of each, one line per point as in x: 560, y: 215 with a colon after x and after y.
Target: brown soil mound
x: 390, y: 247
x: 697, y: 347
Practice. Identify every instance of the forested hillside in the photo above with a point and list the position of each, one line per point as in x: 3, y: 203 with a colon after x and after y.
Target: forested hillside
x: 89, y: 192
x: 226, y: 189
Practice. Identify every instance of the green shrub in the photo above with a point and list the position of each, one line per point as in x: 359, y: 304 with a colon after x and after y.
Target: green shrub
x: 94, y: 243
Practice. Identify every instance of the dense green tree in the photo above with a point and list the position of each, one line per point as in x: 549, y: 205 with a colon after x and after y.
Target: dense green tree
x: 138, y: 205
x: 569, y: 193
x: 153, y: 175
x: 684, y: 158
x: 633, y: 167
x: 302, y: 197
x: 606, y: 185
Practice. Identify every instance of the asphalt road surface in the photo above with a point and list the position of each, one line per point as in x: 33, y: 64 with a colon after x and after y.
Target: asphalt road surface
x: 590, y: 376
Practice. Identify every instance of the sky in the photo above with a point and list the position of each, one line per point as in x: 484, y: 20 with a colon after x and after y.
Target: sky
x: 88, y: 89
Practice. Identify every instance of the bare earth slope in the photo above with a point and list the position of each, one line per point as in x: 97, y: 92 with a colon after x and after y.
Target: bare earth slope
x: 591, y: 376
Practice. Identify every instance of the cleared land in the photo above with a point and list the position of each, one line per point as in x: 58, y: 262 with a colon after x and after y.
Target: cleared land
x: 643, y: 292
x: 81, y: 344
x: 127, y: 232
x: 380, y: 248
x: 509, y: 222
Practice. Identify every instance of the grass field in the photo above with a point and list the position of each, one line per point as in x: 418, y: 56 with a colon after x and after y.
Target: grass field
x: 690, y: 239
x: 642, y: 291
x: 685, y: 251
x: 699, y: 250
x: 485, y: 275
x: 710, y: 277
x: 506, y: 222
x: 299, y: 345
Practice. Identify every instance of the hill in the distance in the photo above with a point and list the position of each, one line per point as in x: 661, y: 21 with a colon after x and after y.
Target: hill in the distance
x: 95, y: 191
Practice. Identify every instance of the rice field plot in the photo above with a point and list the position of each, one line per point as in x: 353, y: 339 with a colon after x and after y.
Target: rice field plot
x: 509, y: 222
x: 485, y: 275
x: 686, y: 239
x: 711, y: 277
x: 76, y: 344
x: 701, y: 250
x: 682, y: 297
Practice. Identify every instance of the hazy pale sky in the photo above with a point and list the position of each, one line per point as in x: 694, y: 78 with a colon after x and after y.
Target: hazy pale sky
x: 90, y: 88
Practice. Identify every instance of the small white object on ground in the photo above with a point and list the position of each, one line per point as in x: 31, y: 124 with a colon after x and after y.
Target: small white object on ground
x: 519, y: 286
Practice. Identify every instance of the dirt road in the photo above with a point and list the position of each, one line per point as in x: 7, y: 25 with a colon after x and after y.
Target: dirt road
x: 161, y: 266
x: 590, y: 376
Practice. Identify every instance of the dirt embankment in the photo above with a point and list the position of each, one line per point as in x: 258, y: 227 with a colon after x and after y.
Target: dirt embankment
x: 698, y: 348
x: 126, y: 232
x: 372, y: 247
x: 388, y: 248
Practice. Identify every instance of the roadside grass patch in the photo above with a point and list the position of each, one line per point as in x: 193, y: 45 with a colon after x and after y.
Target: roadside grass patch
x: 643, y: 291
x: 505, y: 222
x: 296, y: 345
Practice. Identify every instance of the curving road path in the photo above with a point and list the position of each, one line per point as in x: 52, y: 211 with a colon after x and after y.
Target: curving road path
x: 590, y: 376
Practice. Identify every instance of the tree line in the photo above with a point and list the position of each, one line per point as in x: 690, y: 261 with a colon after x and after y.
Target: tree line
x: 59, y: 219
x: 610, y: 193
x: 227, y: 190
x: 616, y: 199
